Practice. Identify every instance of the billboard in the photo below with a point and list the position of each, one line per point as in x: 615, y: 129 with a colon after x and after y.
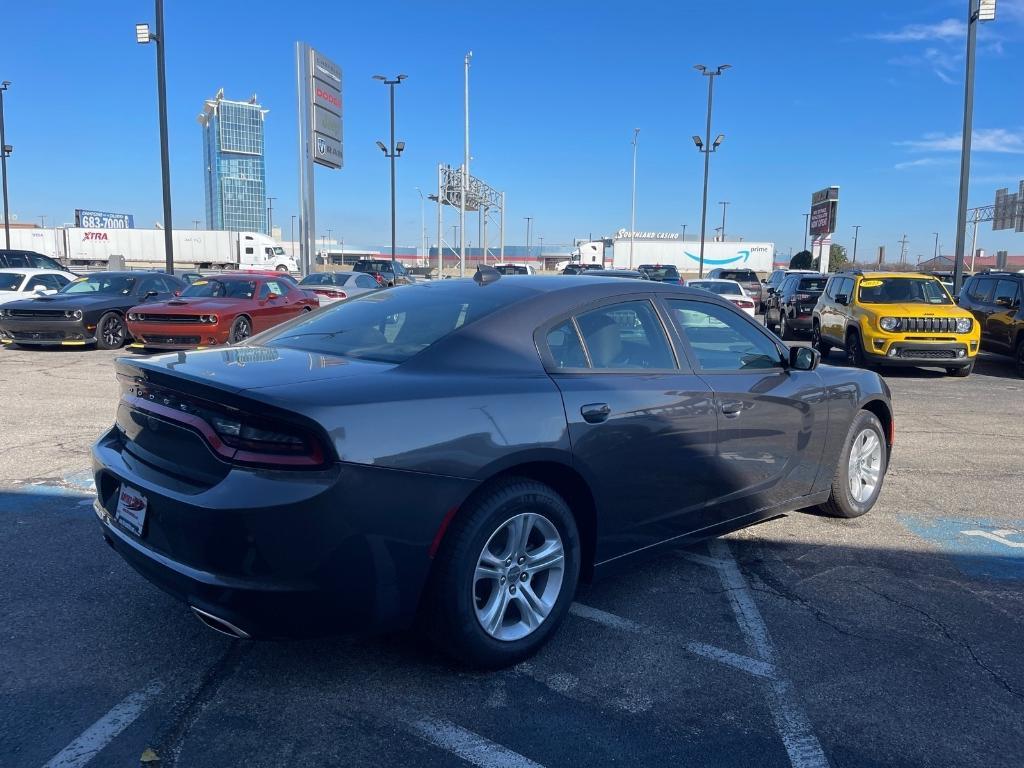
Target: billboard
x: 325, y: 112
x: 824, y: 210
x: 103, y: 220
x: 1008, y: 211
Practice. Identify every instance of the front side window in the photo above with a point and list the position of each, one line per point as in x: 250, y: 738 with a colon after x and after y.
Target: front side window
x: 903, y: 290
x: 721, y: 339
x: 103, y: 283
x: 318, y: 278
x: 981, y: 289
x: 1006, y: 293
x: 626, y: 336
x: 565, y: 347
x: 10, y: 281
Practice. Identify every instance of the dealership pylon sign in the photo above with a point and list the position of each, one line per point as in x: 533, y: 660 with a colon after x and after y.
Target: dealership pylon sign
x: 822, y: 223
x: 318, y: 82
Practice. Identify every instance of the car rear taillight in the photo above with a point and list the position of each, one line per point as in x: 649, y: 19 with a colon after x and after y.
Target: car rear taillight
x: 233, y: 434
x: 743, y: 303
x: 331, y: 293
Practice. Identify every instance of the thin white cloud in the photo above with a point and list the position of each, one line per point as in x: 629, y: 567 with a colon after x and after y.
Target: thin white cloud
x: 922, y: 161
x: 947, y: 29
x: 983, y: 140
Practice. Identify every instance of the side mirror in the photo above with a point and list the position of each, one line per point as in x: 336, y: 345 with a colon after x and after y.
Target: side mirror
x: 842, y: 298
x: 1003, y: 301
x: 39, y: 290
x: 151, y: 294
x: 804, y: 358
x: 177, y: 293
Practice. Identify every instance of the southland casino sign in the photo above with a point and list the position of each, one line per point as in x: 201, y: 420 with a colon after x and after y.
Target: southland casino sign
x: 625, y: 234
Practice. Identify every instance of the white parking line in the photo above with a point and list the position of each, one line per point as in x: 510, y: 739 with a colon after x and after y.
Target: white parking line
x: 103, y: 731
x: 471, y: 747
x: 603, y: 617
x: 794, y: 728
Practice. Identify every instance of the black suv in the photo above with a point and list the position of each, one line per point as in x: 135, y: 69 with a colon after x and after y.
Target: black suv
x: 661, y: 273
x: 381, y: 270
x: 788, y: 308
x: 746, y: 277
x: 994, y: 298
x: 12, y: 259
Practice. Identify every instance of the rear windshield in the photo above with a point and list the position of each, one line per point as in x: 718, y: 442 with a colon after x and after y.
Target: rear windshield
x: 372, y: 266
x: 221, y: 289
x: 512, y: 269
x: 721, y: 287
x: 812, y: 284
x: 10, y: 281
x: 903, y: 290
x: 392, y: 326
x: 327, y: 278
x: 660, y: 273
x: 743, y: 275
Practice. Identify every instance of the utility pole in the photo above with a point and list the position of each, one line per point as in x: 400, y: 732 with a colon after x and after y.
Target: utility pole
x: 856, y: 231
x: 529, y: 221
x: 707, y: 148
x: 684, y: 232
x: 903, y: 249
x: 632, y: 214
x: 935, y: 257
x: 423, y: 228
x: 807, y: 225
x: 270, y: 215
x: 292, y: 237
x: 42, y: 221
x: 5, y: 150
x: 724, y: 204
x: 465, y: 168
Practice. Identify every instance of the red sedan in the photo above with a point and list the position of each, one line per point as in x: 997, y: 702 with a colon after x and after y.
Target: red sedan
x: 223, y: 309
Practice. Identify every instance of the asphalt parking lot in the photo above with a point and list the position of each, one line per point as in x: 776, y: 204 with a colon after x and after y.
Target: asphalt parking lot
x: 890, y: 640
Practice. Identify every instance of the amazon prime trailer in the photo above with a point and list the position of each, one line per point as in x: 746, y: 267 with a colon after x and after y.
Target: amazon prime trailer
x: 670, y: 248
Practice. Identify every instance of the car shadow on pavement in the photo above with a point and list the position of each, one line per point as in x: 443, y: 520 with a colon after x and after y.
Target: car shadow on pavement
x: 985, y: 365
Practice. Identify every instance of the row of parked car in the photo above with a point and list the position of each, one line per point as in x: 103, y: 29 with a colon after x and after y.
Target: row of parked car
x: 900, y: 318
x: 41, y: 306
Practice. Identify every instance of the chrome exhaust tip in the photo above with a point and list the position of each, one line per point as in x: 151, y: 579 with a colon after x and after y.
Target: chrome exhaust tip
x: 217, y: 624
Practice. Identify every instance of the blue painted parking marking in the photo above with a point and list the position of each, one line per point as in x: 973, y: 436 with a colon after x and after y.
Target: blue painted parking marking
x: 978, y: 548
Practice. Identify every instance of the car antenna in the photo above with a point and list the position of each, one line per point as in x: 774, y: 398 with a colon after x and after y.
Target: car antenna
x: 486, y: 274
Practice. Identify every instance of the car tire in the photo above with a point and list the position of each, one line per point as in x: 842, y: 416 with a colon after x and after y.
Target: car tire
x: 111, y: 332
x: 961, y: 372
x: 785, y: 332
x: 844, y: 501
x: 241, y: 329
x: 855, y: 350
x: 282, y: 268
x: 816, y: 341
x: 459, y: 600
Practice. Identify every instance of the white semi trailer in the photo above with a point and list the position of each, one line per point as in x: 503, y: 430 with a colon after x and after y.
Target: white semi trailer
x: 142, y: 248
x: 669, y: 248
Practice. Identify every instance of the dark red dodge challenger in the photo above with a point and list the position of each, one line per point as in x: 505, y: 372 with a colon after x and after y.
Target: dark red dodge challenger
x: 223, y: 309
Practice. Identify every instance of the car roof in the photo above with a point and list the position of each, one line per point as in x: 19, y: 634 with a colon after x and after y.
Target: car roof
x: 33, y: 271
x: 880, y: 274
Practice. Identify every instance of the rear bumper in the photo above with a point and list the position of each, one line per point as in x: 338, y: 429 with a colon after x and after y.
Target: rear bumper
x: 282, y: 553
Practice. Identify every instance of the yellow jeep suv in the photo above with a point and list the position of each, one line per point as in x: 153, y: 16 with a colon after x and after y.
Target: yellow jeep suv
x: 895, y: 318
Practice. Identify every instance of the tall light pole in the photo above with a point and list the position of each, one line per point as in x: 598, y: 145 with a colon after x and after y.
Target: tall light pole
x: 5, y: 152
x: 935, y: 256
x: 144, y: 36
x: 632, y: 214
x: 392, y: 151
x: 707, y: 148
x: 529, y: 221
x: 270, y: 215
x: 423, y: 227
x: 856, y: 231
x: 465, y: 167
x: 292, y: 236
x: 42, y: 222
x: 724, y: 204
x: 807, y: 219
x: 684, y: 232
x: 977, y: 10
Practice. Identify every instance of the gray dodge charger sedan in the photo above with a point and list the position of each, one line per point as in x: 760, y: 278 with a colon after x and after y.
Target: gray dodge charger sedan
x: 458, y: 454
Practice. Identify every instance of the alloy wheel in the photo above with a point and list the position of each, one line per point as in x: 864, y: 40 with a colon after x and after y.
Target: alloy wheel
x: 113, y: 332
x: 241, y: 330
x: 518, y: 577
x: 865, y: 465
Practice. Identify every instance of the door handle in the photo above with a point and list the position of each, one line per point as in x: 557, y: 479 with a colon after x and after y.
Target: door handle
x: 595, y: 413
x: 731, y: 408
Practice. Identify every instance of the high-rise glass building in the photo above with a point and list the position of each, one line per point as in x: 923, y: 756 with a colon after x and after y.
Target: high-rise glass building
x: 233, y: 170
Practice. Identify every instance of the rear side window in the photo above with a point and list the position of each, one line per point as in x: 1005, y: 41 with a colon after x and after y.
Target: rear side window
x: 1006, y: 292
x: 626, y: 336
x: 565, y: 346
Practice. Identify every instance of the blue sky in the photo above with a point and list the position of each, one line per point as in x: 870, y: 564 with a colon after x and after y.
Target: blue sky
x: 867, y: 95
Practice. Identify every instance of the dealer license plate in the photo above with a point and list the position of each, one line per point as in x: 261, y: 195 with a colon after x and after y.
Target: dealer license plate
x: 131, y: 509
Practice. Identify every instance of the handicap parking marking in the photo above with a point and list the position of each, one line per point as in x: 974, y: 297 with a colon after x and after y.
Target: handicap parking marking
x: 978, y: 548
